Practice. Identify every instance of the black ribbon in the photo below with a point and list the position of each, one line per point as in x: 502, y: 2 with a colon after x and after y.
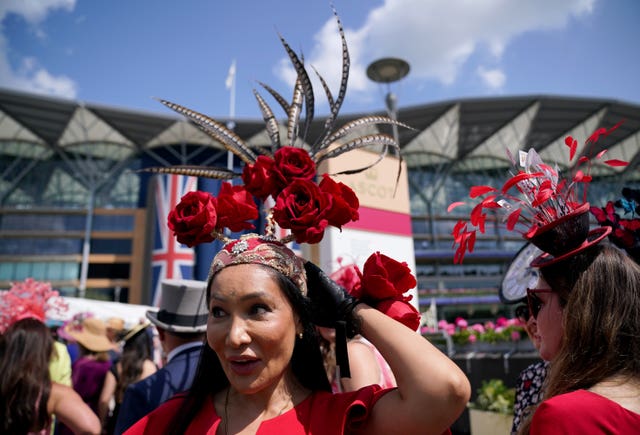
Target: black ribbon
x: 342, y: 355
x: 181, y: 319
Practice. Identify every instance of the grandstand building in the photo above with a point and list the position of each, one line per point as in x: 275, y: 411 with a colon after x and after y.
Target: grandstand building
x: 76, y: 211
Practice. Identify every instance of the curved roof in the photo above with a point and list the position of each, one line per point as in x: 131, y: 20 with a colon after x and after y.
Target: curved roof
x: 469, y: 134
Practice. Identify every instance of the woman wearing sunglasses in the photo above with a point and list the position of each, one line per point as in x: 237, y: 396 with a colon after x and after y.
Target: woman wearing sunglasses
x: 587, y: 312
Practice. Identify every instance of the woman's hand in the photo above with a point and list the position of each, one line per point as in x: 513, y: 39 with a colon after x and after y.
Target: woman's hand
x: 331, y: 303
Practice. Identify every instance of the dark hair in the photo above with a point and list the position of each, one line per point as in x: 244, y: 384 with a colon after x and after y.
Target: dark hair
x: 135, y: 351
x: 306, y: 361
x: 25, y: 384
x: 601, y: 319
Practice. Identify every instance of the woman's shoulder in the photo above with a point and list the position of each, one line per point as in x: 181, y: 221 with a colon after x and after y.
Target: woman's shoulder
x: 595, y: 410
x: 148, y: 368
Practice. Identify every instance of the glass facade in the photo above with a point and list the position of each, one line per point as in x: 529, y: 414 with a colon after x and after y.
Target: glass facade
x: 49, y: 194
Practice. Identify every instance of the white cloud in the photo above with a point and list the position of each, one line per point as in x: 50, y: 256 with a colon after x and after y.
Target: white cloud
x: 437, y: 37
x: 29, y: 75
x: 494, y: 79
x: 33, y: 11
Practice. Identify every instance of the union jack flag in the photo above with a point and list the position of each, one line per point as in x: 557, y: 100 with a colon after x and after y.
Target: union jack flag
x: 169, y: 259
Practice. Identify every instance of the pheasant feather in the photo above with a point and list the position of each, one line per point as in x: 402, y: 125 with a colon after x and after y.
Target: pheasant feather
x: 194, y: 171
x: 231, y: 141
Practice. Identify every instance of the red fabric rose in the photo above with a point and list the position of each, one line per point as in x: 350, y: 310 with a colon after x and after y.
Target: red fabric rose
x: 291, y: 164
x: 401, y: 311
x: 258, y: 178
x: 344, y: 207
x: 383, y: 277
x: 235, y: 207
x: 301, y: 208
x: 194, y: 218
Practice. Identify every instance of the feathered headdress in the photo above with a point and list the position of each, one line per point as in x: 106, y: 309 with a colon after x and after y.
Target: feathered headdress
x: 28, y: 299
x: 550, y: 211
x: 286, y: 172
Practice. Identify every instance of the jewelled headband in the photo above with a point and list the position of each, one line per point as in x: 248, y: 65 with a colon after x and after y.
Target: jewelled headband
x: 255, y: 249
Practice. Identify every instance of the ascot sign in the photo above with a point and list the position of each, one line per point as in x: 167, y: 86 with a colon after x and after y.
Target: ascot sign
x: 375, y: 187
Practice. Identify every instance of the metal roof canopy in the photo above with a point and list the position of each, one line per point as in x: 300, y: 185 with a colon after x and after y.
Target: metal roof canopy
x: 479, y: 119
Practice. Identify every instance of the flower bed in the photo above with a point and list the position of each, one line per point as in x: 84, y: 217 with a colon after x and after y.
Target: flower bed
x: 484, y: 336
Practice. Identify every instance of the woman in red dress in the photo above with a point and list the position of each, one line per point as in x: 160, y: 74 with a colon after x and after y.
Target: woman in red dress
x: 588, y: 318
x: 262, y: 371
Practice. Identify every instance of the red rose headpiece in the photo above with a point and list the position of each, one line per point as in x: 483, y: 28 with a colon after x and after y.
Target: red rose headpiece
x: 283, y: 176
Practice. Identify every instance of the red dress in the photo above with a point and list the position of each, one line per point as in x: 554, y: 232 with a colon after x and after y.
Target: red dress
x: 322, y: 413
x: 583, y: 412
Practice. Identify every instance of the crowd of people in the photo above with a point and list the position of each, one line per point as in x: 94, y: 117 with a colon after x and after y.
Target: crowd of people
x: 271, y: 344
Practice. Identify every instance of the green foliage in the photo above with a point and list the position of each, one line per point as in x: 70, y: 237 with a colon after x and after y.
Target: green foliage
x: 495, y: 396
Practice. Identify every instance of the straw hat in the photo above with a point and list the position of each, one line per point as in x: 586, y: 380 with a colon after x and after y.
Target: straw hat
x: 91, y: 333
x: 115, y: 323
x: 135, y: 331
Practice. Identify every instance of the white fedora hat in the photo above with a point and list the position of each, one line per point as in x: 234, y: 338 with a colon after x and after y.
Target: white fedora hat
x: 183, y: 306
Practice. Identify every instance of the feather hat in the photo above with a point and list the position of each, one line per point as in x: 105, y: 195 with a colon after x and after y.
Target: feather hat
x: 282, y: 176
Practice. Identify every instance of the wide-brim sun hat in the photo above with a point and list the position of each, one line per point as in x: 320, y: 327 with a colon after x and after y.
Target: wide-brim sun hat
x: 91, y: 333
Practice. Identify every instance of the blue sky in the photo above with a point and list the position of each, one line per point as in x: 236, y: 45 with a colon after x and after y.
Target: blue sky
x: 121, y: 53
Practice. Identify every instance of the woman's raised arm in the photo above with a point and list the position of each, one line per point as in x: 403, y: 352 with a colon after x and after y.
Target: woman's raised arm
x: 432, y: 391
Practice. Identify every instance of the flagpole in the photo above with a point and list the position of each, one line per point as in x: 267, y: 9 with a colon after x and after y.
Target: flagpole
x: 230, y: 84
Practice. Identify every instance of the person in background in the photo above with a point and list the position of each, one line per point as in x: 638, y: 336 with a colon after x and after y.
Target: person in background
x: 181, y: 322
x: 367, y: 366
x: 115, y: 328
x: 28, y: 396
x: 587, y: 309
x: 60, y: 364
x: 88, y: 372
x: 134, y: 364
x: 73, y: 348
x: 531, y: 379
x: 59, y: 370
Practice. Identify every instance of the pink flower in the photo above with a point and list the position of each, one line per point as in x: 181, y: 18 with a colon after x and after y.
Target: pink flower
x: 501, y: 321
x: 460, y: 322
x: 473, y: 338
x: 478, y: 328
x: 515, y: 336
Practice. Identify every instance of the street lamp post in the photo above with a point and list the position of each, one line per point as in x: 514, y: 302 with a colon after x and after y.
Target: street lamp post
x: 388, y: 70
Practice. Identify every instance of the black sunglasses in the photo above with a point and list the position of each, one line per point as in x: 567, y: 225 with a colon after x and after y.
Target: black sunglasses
x: 534, y: 301
x: 522, y: 313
